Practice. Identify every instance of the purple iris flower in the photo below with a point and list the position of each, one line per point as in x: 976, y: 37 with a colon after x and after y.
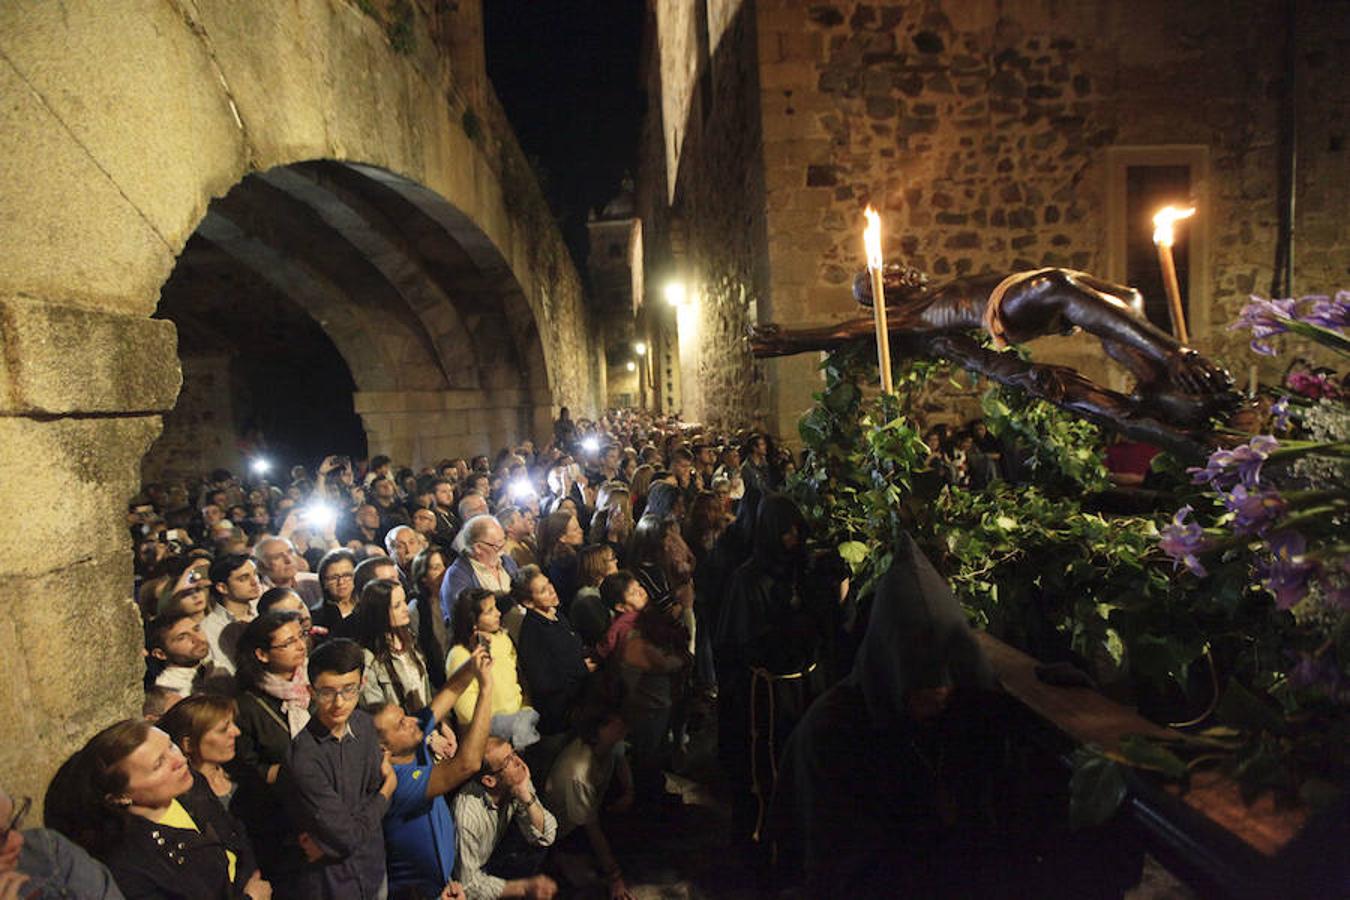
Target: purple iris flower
x: 1330, y: 312
x: 1182, y: 540
x: 1254, y: 511
x: 1280, y: 410
x: 1286, y: 573
x: 1244, y: 462
x: 1317, y: 673
x: 1265, y: 318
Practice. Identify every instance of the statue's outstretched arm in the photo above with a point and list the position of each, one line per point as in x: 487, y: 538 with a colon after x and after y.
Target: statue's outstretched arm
x: 775, y: 340
x: 1067, y: 389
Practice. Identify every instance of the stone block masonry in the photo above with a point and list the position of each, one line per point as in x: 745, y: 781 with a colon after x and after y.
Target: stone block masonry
x: 981, y: 133
x: 985, y: 134
x: 124, y: 120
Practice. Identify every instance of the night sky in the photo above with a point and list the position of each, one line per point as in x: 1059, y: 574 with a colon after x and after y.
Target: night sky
x: 567, y: 73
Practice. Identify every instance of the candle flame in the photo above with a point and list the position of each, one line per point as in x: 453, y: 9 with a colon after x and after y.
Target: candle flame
x: 872, y: 238
x: 1162, y: 223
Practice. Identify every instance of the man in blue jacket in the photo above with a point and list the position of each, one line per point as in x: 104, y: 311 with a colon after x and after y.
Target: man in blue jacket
x: 481, y: 564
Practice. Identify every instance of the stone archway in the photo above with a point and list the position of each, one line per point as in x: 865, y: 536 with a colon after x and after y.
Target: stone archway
x: 425, y: 313
x: 122, y: 120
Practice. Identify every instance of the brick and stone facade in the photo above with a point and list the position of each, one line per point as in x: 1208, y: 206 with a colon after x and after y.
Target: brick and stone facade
x: 992, y: 137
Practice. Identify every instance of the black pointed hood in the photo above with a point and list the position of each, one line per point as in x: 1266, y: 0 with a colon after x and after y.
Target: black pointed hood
x: 917, y: 637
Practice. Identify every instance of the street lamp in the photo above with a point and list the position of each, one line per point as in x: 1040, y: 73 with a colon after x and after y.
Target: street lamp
x: 640, y: 348
x: 674, y: 292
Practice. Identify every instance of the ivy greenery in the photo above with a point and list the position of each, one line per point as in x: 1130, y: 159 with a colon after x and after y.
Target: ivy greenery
x: 1029, y: 562
x: 867, y: 477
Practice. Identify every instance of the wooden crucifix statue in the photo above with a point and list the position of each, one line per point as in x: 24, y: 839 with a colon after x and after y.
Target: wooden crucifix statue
x: 1176, y: 390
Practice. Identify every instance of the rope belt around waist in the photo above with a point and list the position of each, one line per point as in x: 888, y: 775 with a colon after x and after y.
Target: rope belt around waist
x: 758, y: 675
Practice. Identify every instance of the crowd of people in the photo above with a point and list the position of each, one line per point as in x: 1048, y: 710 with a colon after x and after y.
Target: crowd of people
x: 971, y: 456
x: 369, y: 681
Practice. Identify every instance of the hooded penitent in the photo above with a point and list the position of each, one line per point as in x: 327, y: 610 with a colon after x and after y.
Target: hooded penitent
x: 858, y: 780
x: 917, y: 637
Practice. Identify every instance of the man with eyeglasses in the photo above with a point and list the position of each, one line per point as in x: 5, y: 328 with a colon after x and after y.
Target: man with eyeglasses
x: 343, y: 781
x: 495, y: 858
x: 481, y: 563
x: 40, y: 862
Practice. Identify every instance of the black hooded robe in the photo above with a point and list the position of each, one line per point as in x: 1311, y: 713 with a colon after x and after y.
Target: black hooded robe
x: 860, y: 803
x: 765, y: 623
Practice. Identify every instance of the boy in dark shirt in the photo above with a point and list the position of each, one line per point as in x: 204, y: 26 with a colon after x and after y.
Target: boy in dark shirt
x: 343, y: 781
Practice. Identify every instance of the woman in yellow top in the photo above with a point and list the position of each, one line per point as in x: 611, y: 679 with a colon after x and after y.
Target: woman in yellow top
x: 476, y: 618
x: 131, y: 800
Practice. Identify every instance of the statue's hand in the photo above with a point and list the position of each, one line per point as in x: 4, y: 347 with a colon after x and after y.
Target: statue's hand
x: 766, y: 339
x: 1194, y: 374
x: 1050, y: 382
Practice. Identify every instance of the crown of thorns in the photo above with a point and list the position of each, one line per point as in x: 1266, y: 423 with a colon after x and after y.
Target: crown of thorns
x: 904, y: 275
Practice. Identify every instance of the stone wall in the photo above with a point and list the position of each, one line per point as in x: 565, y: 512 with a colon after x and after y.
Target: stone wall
x: 713, y: 236
x: 985, y: 134
x: 123, y: 120
x: 424, y: 427
x: 201, y: 431
x: 556, y: 294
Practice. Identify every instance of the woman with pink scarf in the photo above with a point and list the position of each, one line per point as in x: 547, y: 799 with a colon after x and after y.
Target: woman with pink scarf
x: 274, y: 705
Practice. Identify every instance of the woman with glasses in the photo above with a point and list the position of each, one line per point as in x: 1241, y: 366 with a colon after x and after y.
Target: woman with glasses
x: 396, y: 671
x: 274, y: 705
x: 337, y: 578
x: 280, y: 599
x: 130, y: 799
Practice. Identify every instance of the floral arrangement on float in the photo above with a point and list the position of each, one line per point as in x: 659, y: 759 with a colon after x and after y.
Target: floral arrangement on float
x: 1229, y: 619
x: 1268, y: 525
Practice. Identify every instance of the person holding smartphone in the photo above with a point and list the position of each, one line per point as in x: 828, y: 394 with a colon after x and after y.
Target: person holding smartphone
x: 477, y: 622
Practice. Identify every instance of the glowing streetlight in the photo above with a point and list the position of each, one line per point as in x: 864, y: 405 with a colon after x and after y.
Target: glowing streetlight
x: 674, y: 292
x: 640, y: 348
x: 260, y: 466
x: 631, y: 366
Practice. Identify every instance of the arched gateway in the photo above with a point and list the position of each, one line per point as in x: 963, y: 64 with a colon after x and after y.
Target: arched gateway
x: 372, y: 182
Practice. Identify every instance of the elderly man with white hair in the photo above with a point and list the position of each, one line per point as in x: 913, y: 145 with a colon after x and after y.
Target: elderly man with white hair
x: 481, y: 563
x: 403, y: 544
x: 278, y: 566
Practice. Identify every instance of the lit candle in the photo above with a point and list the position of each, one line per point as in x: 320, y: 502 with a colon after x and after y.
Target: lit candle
x: 1163, y: 239
x: 872, y: 242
